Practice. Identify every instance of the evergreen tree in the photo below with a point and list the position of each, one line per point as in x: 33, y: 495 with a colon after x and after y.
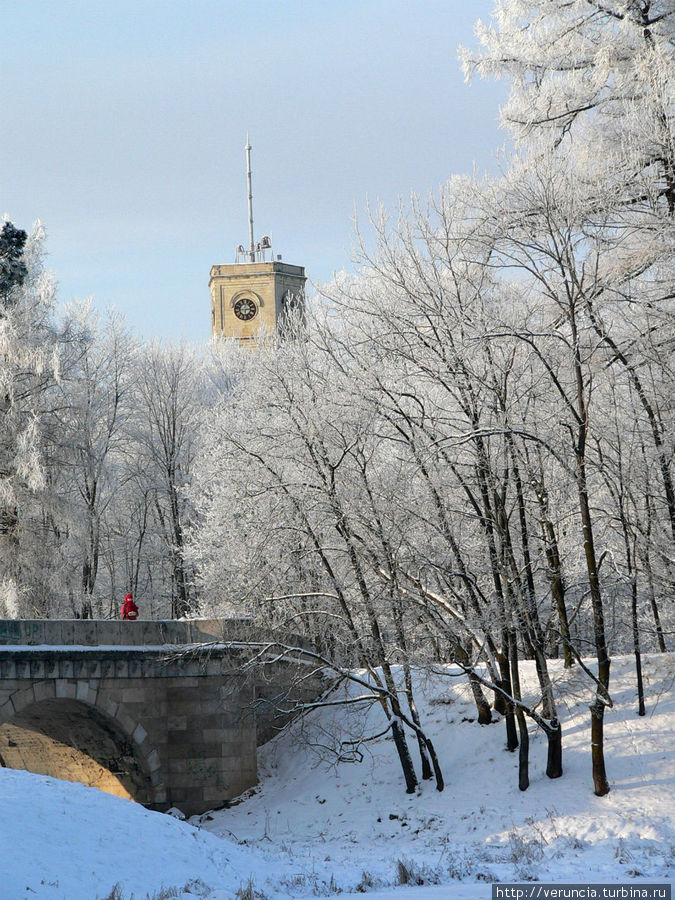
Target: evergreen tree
x: 13, y: 269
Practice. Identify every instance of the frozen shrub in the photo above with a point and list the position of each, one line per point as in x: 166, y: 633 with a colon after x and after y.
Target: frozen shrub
x: 115, y: 893
x: 409, y: 872
x: 525, y: 853
x: 366, y: 883
x: 249, y: 892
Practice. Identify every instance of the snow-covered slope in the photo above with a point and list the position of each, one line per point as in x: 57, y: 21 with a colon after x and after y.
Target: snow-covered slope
x: 315, y: 825
x: 63, y: 841
x: 353, y: 823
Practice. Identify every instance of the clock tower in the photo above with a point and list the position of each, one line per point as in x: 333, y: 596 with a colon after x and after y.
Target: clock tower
x: 251, y: 297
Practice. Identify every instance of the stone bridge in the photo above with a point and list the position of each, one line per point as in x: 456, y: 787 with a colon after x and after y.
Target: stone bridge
x: 159, y: 712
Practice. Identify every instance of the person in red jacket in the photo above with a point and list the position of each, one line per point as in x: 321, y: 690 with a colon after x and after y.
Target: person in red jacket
x: 129, y: 608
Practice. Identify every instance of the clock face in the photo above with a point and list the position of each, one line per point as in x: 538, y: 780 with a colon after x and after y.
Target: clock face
x: 245, y: 309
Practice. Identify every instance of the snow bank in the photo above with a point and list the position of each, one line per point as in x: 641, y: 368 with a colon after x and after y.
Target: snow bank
x: 63, y: 841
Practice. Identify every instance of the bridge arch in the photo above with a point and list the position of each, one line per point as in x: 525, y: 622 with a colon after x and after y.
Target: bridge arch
x: 58, y: 728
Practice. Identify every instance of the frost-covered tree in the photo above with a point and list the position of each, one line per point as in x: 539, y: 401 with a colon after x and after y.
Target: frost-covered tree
x: 95, y: 413
x: 296, y: 496
x: 595, y: 81
x: 588, y: 216
x: 13, y: 268
x: 34, y: 351
x: 591, y: 76
x: 162, y: 436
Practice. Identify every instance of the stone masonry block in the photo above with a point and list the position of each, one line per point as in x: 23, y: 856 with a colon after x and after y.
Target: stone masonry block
x: 139, y: 734
x: 87, y: 633
x: 212, y: 735
x: 150, y: 667
x: 187, y: 781
x: 111, y: 708
x: 82, y: 691
x: 66, y: 668
x: 171, y: 668
x: 11, y: 631
x: 184, y: 709
x: 23, y: 698
x: 106, y: 668
x: 190, y: 681
x: 44, y: 690
x: 68, y: 632
x: 135, y: 668
x: 233, y: 689
x: 214, y: 666
x: 7, y: 669
x: 155, y: 711
x: 79, y: 668
x: 127, y: 722
x: 177, y: 723
x: 189, y: 772
x: 6, y: 711
x: 65, y: 690
x: 37, y: 668
x: 235, y: 749
x: 197, y: 749
x: 206, y: 692
x: 93, y: 668
x: 51, y: 668
x: 135, y: 695
x: 22, y: 668
x: 135, y: 683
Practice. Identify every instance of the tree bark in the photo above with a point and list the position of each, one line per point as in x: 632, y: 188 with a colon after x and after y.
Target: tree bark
x: 524, y: 751
x: 482, y: 706
x: 554, y: 768
x: 505, y: 684
x: 636, y: 650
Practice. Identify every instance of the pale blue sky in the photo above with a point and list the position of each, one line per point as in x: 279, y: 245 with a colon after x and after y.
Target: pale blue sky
x: 123, y: 125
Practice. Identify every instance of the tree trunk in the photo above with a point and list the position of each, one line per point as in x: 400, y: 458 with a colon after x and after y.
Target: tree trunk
x: 650, y: 576
x: 482, y: 706
x: 657, y: 620
x: 534, y: 631
x: 557, y: 583
x: 554, y: 767
x: 427, y: 772
x: 404, y: 756
x: 524, y: 751
x: 636, y: 650
x: 600, y: 782
x: 505, y: 684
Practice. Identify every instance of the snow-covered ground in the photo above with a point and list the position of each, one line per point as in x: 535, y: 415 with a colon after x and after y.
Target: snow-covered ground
x: 315, y: 826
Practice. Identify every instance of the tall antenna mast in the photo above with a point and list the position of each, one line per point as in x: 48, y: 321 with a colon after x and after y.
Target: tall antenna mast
x: 255, y: 252
x: 251, y: 251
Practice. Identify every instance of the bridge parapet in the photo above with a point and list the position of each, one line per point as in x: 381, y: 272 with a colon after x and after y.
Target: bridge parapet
x: 117, y: 633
